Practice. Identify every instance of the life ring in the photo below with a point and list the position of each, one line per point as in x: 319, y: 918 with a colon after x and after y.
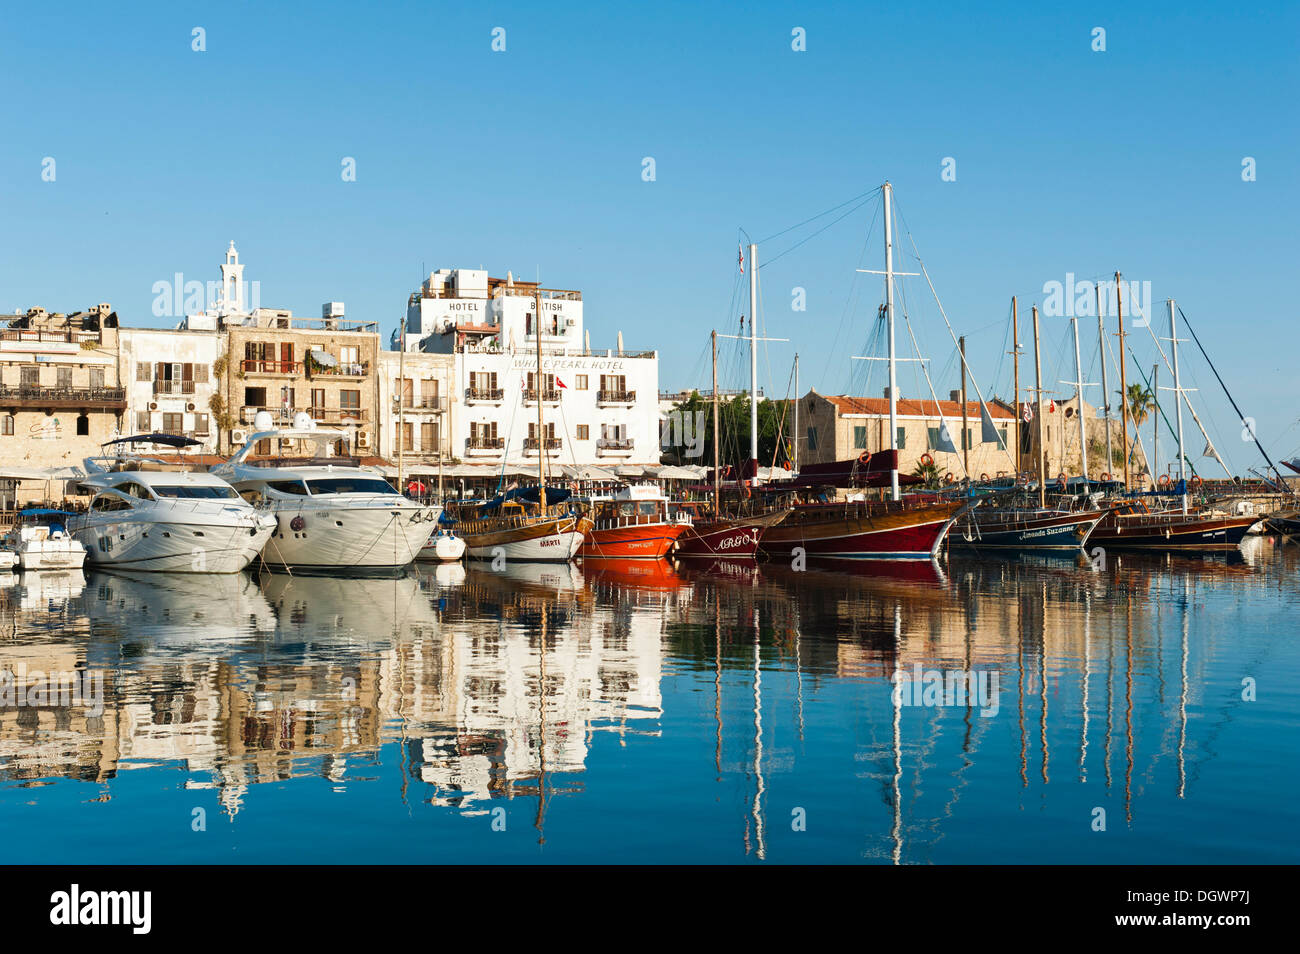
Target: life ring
x: 1195, y: 482
x: 984, y: 477
x: 926, y: 460
x: 864, y: 458
x: 1164, y: 480
x: 1105, y: 475
x: 947, y: 478
x: 746, y: 489
x: 1061, y: 480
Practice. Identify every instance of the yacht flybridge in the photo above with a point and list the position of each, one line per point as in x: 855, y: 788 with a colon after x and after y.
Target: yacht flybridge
x: 149, y: 514
x: 329, y: 511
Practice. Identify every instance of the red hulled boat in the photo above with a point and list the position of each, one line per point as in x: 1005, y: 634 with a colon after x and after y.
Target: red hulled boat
x: 634, y: 525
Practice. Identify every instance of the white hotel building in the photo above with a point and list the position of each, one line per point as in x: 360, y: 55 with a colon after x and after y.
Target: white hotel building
x: 600, y: 407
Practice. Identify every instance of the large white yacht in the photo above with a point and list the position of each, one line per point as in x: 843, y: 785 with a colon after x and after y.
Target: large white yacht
x: 331, y: 512
x: 148, y: 514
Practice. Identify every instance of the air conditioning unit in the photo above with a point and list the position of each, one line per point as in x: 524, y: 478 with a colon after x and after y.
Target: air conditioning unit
x: 153, y: 405
x: 189, y: 407
x: 570, y: 322
x: 363, y: 439
x: 239, y: 436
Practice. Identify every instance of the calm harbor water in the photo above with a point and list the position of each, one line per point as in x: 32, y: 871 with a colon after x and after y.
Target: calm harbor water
x: 637, y: 713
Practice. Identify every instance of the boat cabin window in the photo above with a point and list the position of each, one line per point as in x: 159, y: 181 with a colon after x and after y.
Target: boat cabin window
x: 350, y: 485
x: 295, y: 487
x: 107, y: 502
x: 135, y: 490
x: 196, y: 491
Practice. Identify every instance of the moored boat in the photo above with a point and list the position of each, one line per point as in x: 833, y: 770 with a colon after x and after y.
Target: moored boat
x: 1032, y: 529
x: 516, y: 526
x: 40, y: 541
x: 1133, y: 527
x: 634, y: 525
x: 867, y: 529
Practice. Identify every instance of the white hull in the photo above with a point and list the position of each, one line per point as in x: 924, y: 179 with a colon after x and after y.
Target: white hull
x: 53, y: 557
x: 442, y: 548
x: 172, y: 547
x: 554, y: 548
x: 342, y: 536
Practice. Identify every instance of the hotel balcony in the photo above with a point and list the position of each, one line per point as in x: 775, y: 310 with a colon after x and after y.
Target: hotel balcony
x: 553, y: 445
x: 484, y: 395
x: 26, y: 396
x: 338, y: 416
x: 612, y: 446
x: 608, y: 398
x: 167, y: 387
x: 548, y: 397
x: 271, y: 367
x: 485, y: 446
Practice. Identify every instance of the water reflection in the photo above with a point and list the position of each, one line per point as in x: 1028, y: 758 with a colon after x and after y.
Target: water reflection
x: 458, y: 687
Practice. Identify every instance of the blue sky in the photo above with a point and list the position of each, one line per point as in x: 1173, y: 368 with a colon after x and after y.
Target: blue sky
x: 1067, y: 160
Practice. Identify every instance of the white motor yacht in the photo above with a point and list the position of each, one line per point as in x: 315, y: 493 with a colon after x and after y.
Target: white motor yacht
x: 331, y: 513
x: 153, y: 515
x: 40, y: 541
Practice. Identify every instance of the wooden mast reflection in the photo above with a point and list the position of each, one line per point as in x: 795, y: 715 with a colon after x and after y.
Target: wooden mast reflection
x: 896, y: 832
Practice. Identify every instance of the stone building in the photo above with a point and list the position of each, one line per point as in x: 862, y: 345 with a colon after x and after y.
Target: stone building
x: 415, y: 391
x: 60, y: 394
x: 170, y: 381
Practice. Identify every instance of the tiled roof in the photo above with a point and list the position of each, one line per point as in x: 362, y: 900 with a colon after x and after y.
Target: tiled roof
x: 910, y: 407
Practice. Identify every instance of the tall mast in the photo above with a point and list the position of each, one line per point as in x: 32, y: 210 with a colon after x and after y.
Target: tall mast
x: 541, y: 436
x: 1155, y: 423
x: 889, y: 315
x: 1178, y: 403
x: 1105, y: 392
x: 753, y: 361
x: 717, y: 465
x: 795, y: 442
x: 401, y: 409
x: 1123, y: 385
x: 1078, y: 411
x: 965, y: 441
x: 1042, y: 443
x: 1015, y: 366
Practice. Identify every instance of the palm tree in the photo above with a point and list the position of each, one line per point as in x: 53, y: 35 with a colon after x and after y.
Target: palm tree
x: 928, y: 473
x: 1140, y: 403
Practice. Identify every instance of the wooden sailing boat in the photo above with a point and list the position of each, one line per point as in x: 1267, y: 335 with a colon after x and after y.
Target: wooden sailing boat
x: 517, y: 527
x: 876, y: 529
x: 1133, y: 526
x: 1010, y: 527
x: 719, y: 535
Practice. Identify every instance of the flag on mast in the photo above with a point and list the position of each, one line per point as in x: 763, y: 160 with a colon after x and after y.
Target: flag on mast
x: 740, y: 254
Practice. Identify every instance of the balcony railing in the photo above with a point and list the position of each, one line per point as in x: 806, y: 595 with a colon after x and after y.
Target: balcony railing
x: 485, y: 443
x: 41, y: 334
x: 552, y: 443
x: 615, y: 397
x: 485, y: 394
x: 423, y: 403
x: 614, y: 443
x: 63, y: 397
x: 349, y: 369
x: 548, y: 397
x: 269, y: 366
x: 322, y: 415
x: 164, y: 386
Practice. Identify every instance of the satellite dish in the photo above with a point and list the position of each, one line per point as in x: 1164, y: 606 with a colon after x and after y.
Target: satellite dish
x: 302, y: 421
x: 263, y: 421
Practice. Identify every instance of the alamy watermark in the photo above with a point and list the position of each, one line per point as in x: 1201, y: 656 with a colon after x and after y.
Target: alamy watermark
x: 178, y: 298
x: 978, y: 688
x: 21, y: 687
x: 1079, y: 299
x: 683, y: 430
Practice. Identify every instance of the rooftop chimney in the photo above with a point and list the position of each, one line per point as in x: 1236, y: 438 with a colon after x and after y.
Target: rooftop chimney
x: 954, y: 396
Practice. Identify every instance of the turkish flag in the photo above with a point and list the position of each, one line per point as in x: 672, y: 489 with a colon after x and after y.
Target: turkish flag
x: 561, y: 384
